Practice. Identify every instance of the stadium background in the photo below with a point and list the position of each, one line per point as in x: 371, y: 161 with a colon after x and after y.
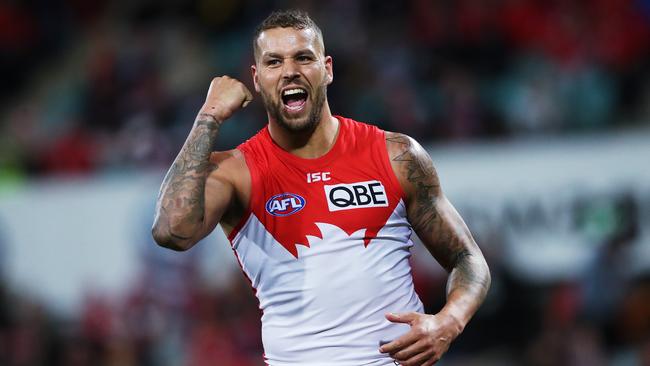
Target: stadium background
x: 536, y: 114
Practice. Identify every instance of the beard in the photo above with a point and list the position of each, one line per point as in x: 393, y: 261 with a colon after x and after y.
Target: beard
x: 274, y: 109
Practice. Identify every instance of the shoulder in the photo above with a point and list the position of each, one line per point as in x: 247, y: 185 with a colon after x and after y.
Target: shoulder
x: 411, y: 163
x: 397, y: 144
x: 229, y: 159
x: 403, y: 148
x: 230, y: 165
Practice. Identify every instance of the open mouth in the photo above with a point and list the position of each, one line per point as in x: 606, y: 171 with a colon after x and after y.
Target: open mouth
x: 294, y: 99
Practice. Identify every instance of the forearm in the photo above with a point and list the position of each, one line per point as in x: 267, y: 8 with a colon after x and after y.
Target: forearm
x: 467, y: 286
x: 180, y: 209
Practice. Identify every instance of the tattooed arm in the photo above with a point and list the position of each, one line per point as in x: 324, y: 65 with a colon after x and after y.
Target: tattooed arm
x: 448, y: 239
x: 196, y: 192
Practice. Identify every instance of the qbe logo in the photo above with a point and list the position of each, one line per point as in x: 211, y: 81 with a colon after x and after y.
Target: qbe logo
x: 285, y: 204
x: 356, y: 195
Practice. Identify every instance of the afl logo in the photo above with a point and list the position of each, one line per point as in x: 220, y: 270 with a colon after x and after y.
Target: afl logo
x: 285, y: 204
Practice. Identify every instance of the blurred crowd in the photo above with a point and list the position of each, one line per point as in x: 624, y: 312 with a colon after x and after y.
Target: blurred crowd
x: 111, y: 87
x: 114, y: 85
x: 168, y: 317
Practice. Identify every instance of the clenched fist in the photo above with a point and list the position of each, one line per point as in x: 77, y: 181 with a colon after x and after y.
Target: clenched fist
x: 225, y: 96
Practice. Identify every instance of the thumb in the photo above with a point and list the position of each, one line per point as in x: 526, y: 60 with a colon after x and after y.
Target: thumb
x: 247, y: 98
x: 401, y: 317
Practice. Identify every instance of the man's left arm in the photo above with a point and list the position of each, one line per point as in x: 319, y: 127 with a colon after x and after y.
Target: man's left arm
x: 445, y: 235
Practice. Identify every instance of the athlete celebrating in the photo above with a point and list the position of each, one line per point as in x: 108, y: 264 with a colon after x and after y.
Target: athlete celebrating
x: 319, y: 210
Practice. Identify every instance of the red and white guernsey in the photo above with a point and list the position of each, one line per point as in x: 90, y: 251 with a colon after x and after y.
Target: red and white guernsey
x: 325, y: 244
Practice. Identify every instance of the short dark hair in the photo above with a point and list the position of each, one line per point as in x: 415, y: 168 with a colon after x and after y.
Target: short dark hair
x: 293, y: 18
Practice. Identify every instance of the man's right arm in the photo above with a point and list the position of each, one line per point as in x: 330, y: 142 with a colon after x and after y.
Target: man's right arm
x: 184, y: 213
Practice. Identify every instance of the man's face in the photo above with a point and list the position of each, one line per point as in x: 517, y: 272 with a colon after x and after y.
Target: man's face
x: 292, y: 73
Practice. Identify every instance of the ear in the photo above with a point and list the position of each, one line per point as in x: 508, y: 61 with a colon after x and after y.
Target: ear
x: 255, y: 79
x: 329, y: 70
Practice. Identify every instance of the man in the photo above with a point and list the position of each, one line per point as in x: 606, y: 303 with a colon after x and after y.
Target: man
x: 319, y: 210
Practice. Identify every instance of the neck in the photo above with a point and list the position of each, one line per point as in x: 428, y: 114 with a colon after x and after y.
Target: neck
x: 308, y: 144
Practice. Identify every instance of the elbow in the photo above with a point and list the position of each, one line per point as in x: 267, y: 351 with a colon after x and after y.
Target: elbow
x: 164, y: 237
x: 487, y: 279
x: 475, y: 263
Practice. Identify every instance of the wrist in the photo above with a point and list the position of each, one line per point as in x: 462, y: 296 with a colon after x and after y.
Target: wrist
x: 216, y: 111
x: 210, y: 117
x: 453, y: 320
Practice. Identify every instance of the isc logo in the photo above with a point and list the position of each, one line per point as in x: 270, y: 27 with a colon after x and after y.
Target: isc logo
x: 356, y: 195
x: 318, y: 176
x: 285, y: 204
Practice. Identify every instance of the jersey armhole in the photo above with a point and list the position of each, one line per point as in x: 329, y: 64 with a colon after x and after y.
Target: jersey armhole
x: 248, y: 210
x: 389, y: 168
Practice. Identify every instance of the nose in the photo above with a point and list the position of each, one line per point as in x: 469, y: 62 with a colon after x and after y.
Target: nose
x: 290, y: 70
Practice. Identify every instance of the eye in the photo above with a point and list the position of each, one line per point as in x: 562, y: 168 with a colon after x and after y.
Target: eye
x: 273, y: 62
x: 304, y: 58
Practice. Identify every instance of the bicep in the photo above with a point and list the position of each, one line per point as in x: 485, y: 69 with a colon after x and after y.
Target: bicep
x: 219, y: 195
x: 227, y: 191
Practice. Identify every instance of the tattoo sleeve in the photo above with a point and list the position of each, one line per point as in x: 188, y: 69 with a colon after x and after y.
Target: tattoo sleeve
x: 181, y: 200
x: 439, y: 226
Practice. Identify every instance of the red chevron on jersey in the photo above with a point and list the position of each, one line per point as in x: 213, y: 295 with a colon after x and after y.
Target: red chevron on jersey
x: 352, y: 186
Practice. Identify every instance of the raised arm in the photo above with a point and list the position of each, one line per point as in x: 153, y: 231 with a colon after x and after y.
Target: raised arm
x: 195, y: 194
x: 447, y: 238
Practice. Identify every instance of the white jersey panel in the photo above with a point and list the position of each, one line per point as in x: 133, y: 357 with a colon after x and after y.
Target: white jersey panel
x: 327, y: 307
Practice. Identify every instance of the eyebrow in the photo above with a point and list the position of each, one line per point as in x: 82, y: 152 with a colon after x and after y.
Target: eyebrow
x: 297, y: 53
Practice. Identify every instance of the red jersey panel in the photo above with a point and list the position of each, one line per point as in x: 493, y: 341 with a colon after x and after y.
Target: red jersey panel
x: 325, y: 244
x: 352, y: 186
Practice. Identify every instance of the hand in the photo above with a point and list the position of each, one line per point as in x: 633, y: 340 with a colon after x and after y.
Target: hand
x: 225, y: 96
x: 426, y: 342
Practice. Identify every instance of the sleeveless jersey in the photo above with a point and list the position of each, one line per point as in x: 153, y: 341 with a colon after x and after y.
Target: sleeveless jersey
x: 326, y: 244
